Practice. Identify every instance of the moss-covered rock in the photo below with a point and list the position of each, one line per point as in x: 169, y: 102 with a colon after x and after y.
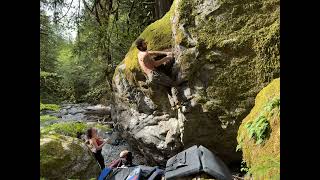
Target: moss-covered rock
x: 263, y: 157
x: 63, y: 157
x: 154, y: 135
x: 159, y: 37
x: 226, y: 50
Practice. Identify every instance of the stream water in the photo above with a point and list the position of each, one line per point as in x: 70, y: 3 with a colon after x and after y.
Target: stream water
x: 90, y: 114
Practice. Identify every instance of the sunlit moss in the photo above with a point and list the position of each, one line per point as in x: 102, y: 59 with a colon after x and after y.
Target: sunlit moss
x: 52, y: 107
x: 158, y: 35
x: 263, y: 160
x: 45, y: 118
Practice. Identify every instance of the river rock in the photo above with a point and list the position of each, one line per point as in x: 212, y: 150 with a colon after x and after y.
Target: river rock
x: 226, y: 51
x: 63, y: 157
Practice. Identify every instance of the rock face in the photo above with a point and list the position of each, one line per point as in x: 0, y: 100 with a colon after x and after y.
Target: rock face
x: 226, y: 50
x: 263, y: 123
x: 63, y: 157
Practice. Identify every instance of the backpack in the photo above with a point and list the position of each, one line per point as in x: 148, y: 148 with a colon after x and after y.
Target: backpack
x: 196, y: 160
x: 105, y: 172
x: 140, y: 172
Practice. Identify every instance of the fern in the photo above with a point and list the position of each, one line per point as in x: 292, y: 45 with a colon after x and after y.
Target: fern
x: 238, y: 148
x: 244, y: 167
x: 258, y: 129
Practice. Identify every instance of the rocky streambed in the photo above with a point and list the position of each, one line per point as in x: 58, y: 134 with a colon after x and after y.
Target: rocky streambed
x: 93, y: 115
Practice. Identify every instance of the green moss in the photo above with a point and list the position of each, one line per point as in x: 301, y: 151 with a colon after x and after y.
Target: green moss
x: 267, y: 169
x: 45, y: 118
x: 71, y: 128
x: 238, y: 28
x: 52, y: 155
x: 104, y: 128
x: 158, y: 35
x: 66, y: 128
x: 262, y: 159
x: 52, y: 107
x: 60, y: 154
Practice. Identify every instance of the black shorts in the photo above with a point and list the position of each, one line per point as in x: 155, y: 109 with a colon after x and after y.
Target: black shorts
x: 160, y: 78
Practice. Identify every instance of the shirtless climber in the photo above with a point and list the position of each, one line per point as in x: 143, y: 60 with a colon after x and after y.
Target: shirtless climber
x: 148, y: 65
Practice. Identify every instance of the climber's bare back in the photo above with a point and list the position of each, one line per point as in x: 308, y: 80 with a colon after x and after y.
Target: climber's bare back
x: 146, y: 62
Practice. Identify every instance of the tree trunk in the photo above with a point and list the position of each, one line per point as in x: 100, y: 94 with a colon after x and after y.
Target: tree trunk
x: 161, y: 8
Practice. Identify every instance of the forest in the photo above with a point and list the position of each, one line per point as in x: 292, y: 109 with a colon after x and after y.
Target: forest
x: 82, y: 41
x: 211, y: 98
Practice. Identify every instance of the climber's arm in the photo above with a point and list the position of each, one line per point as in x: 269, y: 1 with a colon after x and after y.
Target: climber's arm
x: 162, y: 61
x: 94, y: 143
x: 157, y: 53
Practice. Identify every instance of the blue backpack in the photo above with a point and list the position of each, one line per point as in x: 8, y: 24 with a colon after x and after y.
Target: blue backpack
x: 105, y: 172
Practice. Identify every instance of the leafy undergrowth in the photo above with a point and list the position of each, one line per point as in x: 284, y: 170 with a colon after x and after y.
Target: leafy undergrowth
x: 52, y: 107
x: 45, y: 118
x: 72, y: 129
x: 259, y: 129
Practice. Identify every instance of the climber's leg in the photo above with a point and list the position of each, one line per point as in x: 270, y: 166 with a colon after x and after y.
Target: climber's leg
x: 174, y: 92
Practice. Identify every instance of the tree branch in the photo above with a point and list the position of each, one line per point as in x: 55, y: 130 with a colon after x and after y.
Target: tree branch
x: 87, y: 7
x: 129, y: 15
x: 96, y: 13
x: 65, y: 13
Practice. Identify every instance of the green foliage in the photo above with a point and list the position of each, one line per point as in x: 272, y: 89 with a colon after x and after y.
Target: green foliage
x: 66, y: 128
x: 81, y: 70
x: 45, y: 118
x: 52, y: 107
x: 51, y: 90
x: 274, y: 103
x: 104, y: 128
x: 258, y: 129
x: 244, y: 167
x: 71, y: 128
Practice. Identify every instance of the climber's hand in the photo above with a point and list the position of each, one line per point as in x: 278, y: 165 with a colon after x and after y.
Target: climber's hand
x: 170, y: 54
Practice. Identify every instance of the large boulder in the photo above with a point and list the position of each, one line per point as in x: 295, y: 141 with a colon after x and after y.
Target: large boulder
x: 226, y: 50
x: 259, y: 134
x: 63, y: 157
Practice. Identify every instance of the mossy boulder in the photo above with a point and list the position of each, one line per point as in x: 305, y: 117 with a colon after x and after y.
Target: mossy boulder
x: 63, y: 157
x: 143, y: 114
x: 227, y: 51
x: 159, y: 37
x: 259, y: 134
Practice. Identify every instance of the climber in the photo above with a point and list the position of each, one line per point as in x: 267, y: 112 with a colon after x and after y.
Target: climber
x: 124, y: 160
x: 148, y: 65
x: 96, y: 143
